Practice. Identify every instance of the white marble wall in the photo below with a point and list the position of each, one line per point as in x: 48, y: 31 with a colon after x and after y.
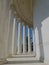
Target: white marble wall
x: 41, y: 28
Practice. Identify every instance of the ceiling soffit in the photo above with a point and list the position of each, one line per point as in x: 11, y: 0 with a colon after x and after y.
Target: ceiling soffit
x: 24, y: 10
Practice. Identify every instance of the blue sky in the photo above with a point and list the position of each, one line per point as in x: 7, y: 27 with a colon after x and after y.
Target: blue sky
x: 31, y: 33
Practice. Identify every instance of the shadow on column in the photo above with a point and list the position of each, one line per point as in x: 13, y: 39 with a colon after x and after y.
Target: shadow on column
x: 40, y: 43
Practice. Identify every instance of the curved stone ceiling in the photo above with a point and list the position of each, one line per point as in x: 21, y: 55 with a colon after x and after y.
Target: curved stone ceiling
x: 24, y: 9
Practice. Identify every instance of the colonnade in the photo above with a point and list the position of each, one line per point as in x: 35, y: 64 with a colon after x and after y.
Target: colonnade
x: 18, y: 45
x: 8, y: 34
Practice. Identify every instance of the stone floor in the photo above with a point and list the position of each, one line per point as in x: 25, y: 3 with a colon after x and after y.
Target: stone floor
x: 28, y: 64
x: 24, y: 61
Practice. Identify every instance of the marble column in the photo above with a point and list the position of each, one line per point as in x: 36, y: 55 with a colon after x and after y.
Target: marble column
x: 10, y: 33
x: 14, y: 35
x: 20, y: 38
x: 24, y: 39
x: 34, y: 45
x: 4, y: 25
x: 29, y: 44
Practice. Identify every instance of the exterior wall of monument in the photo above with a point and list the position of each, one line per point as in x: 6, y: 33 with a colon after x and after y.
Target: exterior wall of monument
x: 41, y: 28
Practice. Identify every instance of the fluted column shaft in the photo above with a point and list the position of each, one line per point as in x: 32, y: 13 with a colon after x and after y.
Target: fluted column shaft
x: 29, y: 44
x: 20, y: 38
x: 24, y: 39
x: 14, y: 35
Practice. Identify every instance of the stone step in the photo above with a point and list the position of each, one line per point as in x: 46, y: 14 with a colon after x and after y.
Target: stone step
x: 28, y: 64
x: 22, y: 59
x: 22, y: 55
x: 3, y: 61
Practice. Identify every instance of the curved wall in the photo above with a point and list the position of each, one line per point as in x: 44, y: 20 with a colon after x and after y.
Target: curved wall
x: 41, y: 28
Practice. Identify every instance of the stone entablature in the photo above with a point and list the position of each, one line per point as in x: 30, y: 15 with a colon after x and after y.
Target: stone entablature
x: 23, y: 12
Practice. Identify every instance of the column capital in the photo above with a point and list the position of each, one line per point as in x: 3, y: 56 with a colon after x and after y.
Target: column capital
x: 24, y: 24
x: 29, y: 27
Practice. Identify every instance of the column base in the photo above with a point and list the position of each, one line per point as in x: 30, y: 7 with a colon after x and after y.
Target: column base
x: 41, y: 59
x: 25, y: 53
x: 29, y: 52
x: 11, y: 55
x: 19, y: 52
x: 3, y: 61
